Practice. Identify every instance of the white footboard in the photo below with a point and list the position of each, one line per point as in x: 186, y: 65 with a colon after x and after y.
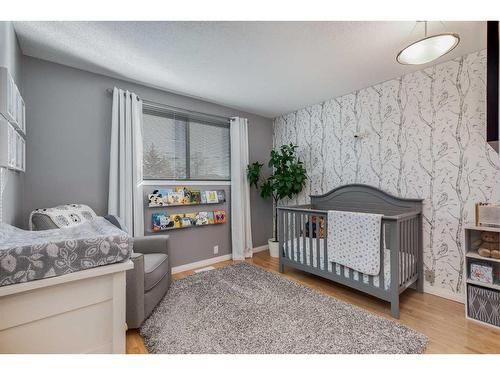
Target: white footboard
x: 81, y: 312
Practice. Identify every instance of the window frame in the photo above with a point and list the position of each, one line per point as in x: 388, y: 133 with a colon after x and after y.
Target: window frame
x: 208, y: 120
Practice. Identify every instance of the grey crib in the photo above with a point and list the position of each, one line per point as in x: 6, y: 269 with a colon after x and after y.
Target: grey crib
x: 400, y: 247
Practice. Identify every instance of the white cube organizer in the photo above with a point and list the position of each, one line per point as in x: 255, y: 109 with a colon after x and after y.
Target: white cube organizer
x: 12, y: 105
x: 12, y: 124
x: 12, y: 148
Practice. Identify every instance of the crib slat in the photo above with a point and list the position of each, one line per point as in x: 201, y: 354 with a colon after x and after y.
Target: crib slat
x: 408, y: 249
x: 297, y: 231
x: 405, y: 249
x: 310, y: 241
x: 287, y: 235
x: 411, y: 248
x: 415, y: 244
x: 318, y: 250
x: 381, y: 275
x: 400, y: 239
x: 403, y: 280
x: 304, y: 237
x: 281, y: 235
x: 325, y: 245
x: 292, y: 234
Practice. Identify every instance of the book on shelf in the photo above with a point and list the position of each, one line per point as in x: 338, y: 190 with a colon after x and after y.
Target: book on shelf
x: 221, y: 195
x: 219, y: 217
x: 202, y: 218
x: 161, y: 221
x: 195, y: 197
x: 211, y: 196
x: 175, y: 197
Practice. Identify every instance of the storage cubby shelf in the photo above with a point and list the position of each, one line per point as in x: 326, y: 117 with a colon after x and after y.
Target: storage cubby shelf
x: 484, y: 285
x: 481, y: 293
x: 475, y: 255
x: 483, y: 228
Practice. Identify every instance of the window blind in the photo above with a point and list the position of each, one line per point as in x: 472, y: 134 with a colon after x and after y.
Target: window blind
x: 185, y: 145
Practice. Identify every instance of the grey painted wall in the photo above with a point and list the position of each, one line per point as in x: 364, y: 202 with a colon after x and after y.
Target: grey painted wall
x: 189, y: 245
x: 69, y: 119
x: 12, y: 198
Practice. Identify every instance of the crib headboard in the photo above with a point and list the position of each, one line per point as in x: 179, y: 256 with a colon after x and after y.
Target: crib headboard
x: 364, y: 198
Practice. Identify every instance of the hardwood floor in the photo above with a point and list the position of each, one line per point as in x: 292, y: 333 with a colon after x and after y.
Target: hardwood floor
x: 443, y: 321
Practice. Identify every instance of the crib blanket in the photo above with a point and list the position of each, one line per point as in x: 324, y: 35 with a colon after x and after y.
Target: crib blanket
x: 354, y: 240
x: 27, y: 255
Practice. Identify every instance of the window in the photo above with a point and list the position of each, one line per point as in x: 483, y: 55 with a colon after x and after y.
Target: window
x: 180, y: 147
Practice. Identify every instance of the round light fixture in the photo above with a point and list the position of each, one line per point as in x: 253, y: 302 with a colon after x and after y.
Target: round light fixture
x: 428, y: 49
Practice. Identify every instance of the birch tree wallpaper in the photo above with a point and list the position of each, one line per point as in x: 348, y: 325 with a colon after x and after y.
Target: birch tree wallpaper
x: 419, y: 136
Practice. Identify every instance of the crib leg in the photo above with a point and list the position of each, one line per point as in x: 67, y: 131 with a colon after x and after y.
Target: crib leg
x: 420, y: 284
x: 281, y: 268
x: 395, y: 305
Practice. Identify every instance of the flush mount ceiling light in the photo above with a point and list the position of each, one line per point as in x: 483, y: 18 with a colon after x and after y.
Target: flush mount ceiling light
x: 428, y: 49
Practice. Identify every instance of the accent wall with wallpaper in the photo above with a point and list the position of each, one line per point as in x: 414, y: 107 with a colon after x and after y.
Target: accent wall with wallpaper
x: 421, y: 135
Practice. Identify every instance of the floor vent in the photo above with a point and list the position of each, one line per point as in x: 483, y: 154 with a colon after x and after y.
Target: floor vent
x: 209, y: 268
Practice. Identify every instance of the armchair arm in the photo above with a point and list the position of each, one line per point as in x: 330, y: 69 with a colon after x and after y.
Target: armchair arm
x: 135, y: 292
x: 151, y: 244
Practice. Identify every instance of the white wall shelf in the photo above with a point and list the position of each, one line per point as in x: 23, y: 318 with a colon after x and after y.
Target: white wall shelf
x: 12, y: 124
x: 12, y: 106
x: 12, y: 148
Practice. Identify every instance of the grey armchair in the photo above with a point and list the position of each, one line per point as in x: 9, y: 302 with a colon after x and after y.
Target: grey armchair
x: 150, y: 278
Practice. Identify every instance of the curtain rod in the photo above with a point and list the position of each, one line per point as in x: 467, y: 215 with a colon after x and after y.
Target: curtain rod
x: 175, y: 109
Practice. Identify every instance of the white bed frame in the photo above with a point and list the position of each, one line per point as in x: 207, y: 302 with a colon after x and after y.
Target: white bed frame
x: 80, y: 312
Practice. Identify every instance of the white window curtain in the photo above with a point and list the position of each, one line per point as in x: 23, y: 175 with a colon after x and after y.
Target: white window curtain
x: 241, y: 228
x: 125, y: 170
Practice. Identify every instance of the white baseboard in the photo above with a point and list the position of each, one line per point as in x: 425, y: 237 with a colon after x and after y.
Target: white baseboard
x: 201, y: 263
x: 260, y: 248
x: 208, y: 262
x: 443, y: 293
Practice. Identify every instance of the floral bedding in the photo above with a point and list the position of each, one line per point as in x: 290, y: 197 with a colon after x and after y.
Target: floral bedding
x: 27, y: 255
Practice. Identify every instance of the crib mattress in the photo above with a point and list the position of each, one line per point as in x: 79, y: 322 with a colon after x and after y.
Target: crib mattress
x: 27, y: 255
x: 298, y: 257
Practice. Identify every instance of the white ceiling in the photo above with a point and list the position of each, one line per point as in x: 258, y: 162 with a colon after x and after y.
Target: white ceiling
x: 267, y: 68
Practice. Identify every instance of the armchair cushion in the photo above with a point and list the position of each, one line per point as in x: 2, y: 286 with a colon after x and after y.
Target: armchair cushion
x: 155, y: 268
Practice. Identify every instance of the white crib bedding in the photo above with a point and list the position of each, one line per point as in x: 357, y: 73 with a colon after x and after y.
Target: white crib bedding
x: 376, y: 281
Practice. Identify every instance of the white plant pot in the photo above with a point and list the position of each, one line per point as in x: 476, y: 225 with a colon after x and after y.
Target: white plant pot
x: 274, y: 248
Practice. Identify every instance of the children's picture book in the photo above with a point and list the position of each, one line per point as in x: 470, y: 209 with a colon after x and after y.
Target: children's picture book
x: 161, y: 221
x: 155, y: 199
x: 177, y: 220
x: 219, y: 217
x: 211, y: 217
x: 221, y: 196
x: 186, y: 194
x: 175, y: 197
x: 202, y: 218
x: 164, y: 194
x: 211, y: 196
x: 195, y: 197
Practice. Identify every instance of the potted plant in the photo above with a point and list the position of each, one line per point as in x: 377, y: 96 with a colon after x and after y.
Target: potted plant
x: 287, y: 180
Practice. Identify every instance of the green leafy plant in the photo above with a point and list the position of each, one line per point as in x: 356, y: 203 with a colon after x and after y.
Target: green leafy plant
x: 287, y: 180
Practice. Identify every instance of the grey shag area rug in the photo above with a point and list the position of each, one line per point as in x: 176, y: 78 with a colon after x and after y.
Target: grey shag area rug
x: 244, y: 309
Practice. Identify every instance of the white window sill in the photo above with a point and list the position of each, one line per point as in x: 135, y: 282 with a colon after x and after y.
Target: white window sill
x: 184, y: 183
